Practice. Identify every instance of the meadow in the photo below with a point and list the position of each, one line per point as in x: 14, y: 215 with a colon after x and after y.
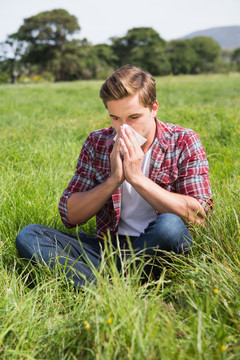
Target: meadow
x: 192, y: 311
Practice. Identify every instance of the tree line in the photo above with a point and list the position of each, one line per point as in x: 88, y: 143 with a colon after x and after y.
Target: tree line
x: 45, y: 47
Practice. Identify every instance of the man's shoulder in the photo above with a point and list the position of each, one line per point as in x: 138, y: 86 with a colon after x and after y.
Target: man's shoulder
x: 174, y: 130
x: 172, y: 136
x: 101, y: 135
x: 106, y: 132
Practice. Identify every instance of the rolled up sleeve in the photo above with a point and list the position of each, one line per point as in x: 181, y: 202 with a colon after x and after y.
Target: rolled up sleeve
x: 83, y: 179
x: 193, y: 172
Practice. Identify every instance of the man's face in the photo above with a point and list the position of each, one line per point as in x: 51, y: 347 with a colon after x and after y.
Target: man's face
x: 130, y: 111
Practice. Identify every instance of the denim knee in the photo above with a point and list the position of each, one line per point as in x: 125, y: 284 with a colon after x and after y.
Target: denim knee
x: 26, y: 239
x: 168, y: 232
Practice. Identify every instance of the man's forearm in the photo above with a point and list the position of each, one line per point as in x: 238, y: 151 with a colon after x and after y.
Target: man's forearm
x: 163, y: 201
x: 82, y: 206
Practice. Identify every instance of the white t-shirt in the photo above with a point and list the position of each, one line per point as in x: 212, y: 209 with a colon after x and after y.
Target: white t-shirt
x: 136, y: 213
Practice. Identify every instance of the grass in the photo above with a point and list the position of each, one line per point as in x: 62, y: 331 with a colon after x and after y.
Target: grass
x: 192, y: 311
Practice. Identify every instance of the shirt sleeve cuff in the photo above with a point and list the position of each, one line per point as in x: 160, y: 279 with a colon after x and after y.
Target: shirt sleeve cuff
x: 62, y: 207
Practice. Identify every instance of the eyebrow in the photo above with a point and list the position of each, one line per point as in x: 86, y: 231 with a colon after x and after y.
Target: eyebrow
x: 136, y: 114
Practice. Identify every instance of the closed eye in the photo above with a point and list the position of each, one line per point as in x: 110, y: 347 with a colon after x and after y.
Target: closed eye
x: 134, y: 117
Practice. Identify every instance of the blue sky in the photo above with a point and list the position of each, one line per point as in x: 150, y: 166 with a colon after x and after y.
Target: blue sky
x: 100, y: 20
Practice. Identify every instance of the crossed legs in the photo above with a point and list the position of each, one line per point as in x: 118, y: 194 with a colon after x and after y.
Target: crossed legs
x: 45, y: 245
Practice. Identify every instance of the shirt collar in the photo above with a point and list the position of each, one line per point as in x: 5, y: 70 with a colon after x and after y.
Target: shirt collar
x: 163, y: 134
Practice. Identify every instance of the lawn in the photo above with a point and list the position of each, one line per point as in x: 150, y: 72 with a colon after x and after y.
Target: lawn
x: 192, y: 311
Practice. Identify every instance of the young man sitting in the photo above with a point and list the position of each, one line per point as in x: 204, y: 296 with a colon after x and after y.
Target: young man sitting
x: 146, y: 192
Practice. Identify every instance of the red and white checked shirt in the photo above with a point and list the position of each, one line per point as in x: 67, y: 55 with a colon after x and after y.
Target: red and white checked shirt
x: 178, y: 164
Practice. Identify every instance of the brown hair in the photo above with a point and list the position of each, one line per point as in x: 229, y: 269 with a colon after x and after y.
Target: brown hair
x: 129, y: 80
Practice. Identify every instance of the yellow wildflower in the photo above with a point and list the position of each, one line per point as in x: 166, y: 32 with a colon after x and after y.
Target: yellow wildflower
x: 192, y: 283
x: 216, y: 291
x: 87, y: 326
x: 223, y: 347
x: 109, y: 321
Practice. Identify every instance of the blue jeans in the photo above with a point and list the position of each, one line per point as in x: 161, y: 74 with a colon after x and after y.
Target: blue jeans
x: 37, y: 242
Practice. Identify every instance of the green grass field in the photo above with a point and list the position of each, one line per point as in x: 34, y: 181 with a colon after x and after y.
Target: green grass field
x: 193, y: 310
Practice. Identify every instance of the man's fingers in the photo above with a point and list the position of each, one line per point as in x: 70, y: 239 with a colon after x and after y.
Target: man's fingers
x: 117, y: 145
x: 130, y: 134
x: 124, y: 147
x: 130, y: 141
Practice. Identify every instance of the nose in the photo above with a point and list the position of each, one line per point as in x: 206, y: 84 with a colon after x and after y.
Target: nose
x: 120, y: 123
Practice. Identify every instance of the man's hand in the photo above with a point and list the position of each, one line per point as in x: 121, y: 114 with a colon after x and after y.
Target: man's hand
x: 133, y: 156
x: 117, y: 174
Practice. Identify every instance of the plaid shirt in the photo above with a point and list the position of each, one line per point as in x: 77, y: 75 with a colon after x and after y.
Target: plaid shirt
x: 178, y: 164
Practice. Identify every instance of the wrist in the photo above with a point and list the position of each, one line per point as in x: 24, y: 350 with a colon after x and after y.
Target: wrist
x: 114, y: 182
x: 136, y: 180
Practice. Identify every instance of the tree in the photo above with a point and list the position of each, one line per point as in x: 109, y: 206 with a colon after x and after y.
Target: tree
x: 142, y: 47
x: 207, y: 52
x: 11, y: 52
x: 181, y: 56
x: 54, y: 28
x: 51, y: 47
x: 49, y: 36
x: 236, y: 58
x: 105, y: 61
x: 5, y: 74
x: 81, y: 60
x: 67, y: 62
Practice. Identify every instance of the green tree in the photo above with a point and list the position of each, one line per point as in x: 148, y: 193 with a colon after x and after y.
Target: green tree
x: 142, y: 47
x: 5, y: 74
x: 236, y: 58
x: 207, y: 53
x: 11, y: 52
x: 49, y: 36
x: 105, y: 61
x: 81, y: 60
x: 54, y: 28
x: 67, y: 62
x: 181, y: 56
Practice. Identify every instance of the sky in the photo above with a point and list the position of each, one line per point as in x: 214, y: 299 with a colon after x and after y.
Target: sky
x: 102, y: 19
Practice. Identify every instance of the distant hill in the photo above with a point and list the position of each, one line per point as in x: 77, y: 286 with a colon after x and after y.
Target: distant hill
x: 228, y: 37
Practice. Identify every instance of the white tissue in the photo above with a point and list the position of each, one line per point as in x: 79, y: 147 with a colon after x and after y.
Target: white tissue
x: 141, y: 140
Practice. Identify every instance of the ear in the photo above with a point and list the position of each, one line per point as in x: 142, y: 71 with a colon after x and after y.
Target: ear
x: 155, y: 108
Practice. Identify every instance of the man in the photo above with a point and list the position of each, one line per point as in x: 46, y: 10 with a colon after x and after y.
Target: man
x: 146, y: 193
